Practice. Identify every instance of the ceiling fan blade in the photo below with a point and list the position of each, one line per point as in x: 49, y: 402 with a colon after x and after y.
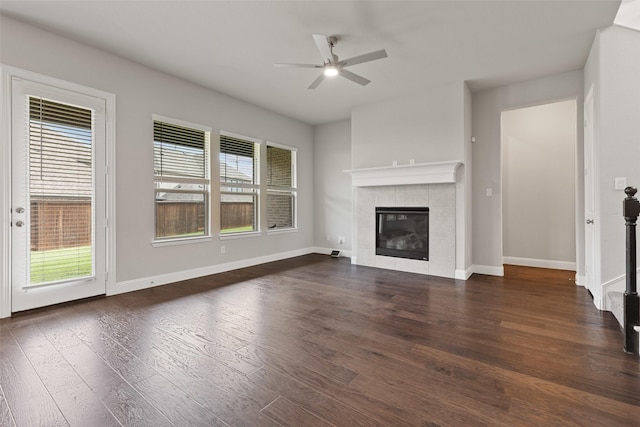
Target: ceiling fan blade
x: 354, y: 77
x: 371, y: 56
x: 280, y: 65
x: 323, y: 47
x: 317, y: 81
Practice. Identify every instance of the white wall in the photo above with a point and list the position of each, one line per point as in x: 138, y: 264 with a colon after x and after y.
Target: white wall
x: 486, y: 158
x: 613, y: 69
x: 141, y: 92
x: 427, y: 126
x: 332, y: 186
x: 538, y: 198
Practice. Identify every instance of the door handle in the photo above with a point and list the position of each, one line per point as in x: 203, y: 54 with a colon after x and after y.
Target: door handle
x: 19, y: 224
x: 589, y: 221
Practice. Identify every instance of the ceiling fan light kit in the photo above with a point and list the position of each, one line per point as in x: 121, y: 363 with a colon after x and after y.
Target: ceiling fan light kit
x: 331, y: 64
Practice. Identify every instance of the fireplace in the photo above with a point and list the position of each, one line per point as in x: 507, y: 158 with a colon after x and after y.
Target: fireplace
x: 403, y: 232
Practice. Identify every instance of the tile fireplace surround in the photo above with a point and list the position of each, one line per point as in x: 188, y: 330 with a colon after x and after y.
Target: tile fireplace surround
x: 437, y: 191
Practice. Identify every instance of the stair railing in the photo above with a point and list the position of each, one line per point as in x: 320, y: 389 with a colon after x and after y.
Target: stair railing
x: 630, y: 211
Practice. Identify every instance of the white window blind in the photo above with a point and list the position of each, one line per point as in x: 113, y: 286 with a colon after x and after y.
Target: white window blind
x: 60, y: 191
x: 179, y: 151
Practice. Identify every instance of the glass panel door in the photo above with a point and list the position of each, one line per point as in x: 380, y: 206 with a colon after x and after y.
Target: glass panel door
x: 58, y: 141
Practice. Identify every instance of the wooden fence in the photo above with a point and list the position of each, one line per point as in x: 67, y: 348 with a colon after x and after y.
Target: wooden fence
x: 58, y: 224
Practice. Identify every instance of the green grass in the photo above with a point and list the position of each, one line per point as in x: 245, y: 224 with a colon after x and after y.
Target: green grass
x: 60, y: 264
x: 238, y: 229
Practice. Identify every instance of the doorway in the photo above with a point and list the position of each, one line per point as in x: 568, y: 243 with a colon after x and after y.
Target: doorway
x: 539, y: 185
x: 58, y: 183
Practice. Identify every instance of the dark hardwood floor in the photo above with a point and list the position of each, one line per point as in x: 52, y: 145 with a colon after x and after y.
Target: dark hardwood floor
x: 315, y: 341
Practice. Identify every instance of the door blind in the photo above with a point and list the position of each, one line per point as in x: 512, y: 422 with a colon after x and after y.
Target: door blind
x: 61, y: 204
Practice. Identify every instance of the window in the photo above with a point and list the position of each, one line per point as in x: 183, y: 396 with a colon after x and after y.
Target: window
x: 239, y: 186
x: 181, y: 169
x: 281, y: 187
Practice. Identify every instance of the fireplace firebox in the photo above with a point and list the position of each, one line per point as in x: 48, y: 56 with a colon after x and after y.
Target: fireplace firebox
x: 403, y: 232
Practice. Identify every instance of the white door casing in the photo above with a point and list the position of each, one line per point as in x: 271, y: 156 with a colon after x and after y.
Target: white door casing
x: 592, y: 225
x: 17, y: 84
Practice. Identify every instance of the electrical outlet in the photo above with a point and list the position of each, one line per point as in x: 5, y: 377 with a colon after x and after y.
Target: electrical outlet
x: 340, y: 239
x: 223, y: 249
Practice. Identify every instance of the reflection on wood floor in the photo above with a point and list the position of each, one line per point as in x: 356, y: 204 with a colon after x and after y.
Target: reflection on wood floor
x: 317, y: 341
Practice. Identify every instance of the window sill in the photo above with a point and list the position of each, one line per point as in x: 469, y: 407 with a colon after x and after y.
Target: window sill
x: 183, y: 241
x: 232, y: 236
x: 282, y: 231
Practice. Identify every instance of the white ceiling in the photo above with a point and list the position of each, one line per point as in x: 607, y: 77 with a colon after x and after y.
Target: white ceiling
x: 230, y: 46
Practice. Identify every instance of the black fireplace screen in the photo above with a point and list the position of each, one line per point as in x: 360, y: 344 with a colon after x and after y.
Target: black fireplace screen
x: 403, y: 232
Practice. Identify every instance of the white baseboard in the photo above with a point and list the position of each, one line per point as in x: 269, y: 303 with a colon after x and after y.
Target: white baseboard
x: 581, y: 281
x: 163, y: 279
x: 327, y: 251
x: 540, y: 263
x: 463, y: 274
x: 491, y: 270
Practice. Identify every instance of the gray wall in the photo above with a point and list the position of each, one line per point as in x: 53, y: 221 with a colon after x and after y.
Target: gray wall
x: 332, y: 186
x: 141, y: 92
x: 538, y: 200
x: 613, y: 69
x: 486, y: 158
x: 427, y: 126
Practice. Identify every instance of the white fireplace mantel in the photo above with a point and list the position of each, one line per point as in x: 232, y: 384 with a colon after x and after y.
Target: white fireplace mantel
x: 422, y: 173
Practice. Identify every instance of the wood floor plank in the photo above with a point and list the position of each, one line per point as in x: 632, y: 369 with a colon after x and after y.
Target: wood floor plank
x: 75, y: 399
x: 27, y: 398
x: 312, y: 400
x: 175, y: 404
x: 287, y: 413
x: 313, y: 340
x: 6, y: 418
x: 127, y: 405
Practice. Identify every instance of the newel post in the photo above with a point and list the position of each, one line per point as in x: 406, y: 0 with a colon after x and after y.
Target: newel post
x: 630, y: 211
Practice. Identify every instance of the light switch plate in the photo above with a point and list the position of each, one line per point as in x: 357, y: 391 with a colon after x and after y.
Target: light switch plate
x: 620, y: 183
x: 488, y: 192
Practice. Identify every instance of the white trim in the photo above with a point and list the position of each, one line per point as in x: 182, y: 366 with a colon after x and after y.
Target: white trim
x: 540, y: 263
x: 178, y: 122
x: 273, y: 231
x: 163, y: 279
x: 110, y: 140
x: 327, y: 251
x: 581, y: 280
x: 183, y: 241
x: 491, y: 270
x: 5, y: 194
x: 422, y: 173
x: 617, y: 284
x: 463, y: 274
x: 7, y: 73
x: 258, y: 141
x: 282, y: 146
x: 240, y: 235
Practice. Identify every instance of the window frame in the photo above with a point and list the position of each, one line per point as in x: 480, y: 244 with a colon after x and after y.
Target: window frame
x: 158, y: 180
x: 293, y: 190
x: 255, y: 186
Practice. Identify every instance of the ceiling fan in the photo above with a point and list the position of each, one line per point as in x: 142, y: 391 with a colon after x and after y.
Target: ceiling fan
x: 332, y: 66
